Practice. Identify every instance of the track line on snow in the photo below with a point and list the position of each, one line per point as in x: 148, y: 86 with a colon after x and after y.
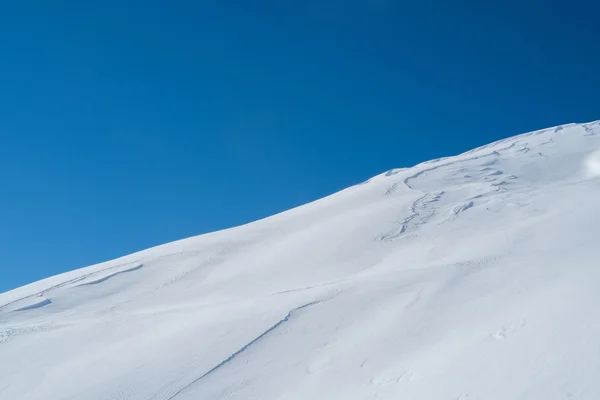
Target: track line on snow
x: 243, y: 348
x: 420, y: 213
x: 421, y: 172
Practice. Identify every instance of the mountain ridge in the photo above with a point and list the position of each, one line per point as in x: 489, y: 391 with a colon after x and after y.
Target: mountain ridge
x: 470, y: 276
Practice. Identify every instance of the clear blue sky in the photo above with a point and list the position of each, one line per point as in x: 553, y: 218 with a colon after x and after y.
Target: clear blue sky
x: 127, y: 124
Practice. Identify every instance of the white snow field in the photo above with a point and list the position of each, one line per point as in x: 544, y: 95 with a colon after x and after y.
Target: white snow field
x: 463, y: 278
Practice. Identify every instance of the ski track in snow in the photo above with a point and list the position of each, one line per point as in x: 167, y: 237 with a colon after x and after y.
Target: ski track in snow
x: 229, y: 359
x: 420, y: 213
x: 419, y: 210
x: 461, y: 160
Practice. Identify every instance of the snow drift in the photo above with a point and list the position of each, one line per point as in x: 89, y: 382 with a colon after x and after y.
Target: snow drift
x: 468, y: 277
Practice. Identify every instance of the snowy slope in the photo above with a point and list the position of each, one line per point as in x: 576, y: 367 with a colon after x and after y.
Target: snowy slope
x: 468, y: 277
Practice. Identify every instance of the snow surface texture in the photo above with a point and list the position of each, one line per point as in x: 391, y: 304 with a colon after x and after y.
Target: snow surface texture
x: 469, y: 277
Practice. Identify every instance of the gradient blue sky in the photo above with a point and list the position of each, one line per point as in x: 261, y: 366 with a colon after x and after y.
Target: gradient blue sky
x: 127, y: 124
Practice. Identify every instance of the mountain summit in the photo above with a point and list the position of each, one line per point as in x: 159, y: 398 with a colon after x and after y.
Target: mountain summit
x: 468, y: 277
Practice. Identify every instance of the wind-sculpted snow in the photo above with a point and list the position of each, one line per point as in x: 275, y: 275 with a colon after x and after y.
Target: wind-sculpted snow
x: 35, y: 303
x: 105, y: 276
x: 466, y: 277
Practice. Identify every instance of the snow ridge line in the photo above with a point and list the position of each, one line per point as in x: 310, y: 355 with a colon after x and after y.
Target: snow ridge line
x: 244, y: 348
x: 65, y: 283
x: 100, y: 280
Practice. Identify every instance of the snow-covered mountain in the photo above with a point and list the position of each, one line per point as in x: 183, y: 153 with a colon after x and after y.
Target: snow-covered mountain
x: 468, y: 277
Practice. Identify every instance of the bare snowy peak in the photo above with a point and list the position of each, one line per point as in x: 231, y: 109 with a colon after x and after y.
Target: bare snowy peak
x: 466, y: 277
